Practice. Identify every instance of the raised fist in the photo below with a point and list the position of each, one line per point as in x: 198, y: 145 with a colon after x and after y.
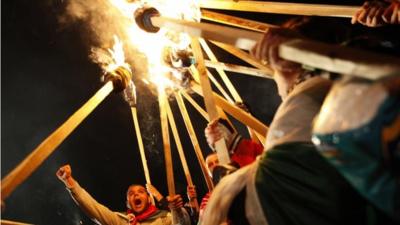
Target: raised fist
x: 65, y: 175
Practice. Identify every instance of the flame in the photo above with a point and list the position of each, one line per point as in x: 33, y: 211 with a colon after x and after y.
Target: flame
x: 152, y: 45
x: 117, y: 55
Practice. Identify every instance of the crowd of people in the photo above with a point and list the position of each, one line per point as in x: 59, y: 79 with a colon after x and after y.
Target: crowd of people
x: 331, y: 154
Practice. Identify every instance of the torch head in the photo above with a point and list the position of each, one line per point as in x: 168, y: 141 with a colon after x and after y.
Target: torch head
x: 121, y: 77
x: 130, y: 94
x: 143, y: 18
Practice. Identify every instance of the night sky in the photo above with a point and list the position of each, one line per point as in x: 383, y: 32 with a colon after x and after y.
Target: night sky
x: 46, y: 76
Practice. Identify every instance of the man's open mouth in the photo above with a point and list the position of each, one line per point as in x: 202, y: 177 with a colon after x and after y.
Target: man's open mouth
x: 137, y: 202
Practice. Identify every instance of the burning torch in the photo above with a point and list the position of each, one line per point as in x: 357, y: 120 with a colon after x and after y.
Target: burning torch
x: 150, y: 20
x: 115, y: 81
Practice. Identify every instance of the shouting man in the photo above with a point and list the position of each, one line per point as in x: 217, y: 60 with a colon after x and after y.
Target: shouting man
x: 140, y: 209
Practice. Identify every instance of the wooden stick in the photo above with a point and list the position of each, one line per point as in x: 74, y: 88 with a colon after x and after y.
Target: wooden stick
x: 220, y: 145
x: 235, y: 21
x: 193, y: 138
x: 340, y: 59
x: 180, y: 149
x: 141, y: 147
x: 9, y: 222
x: 140, y: 143
x: 238, y: 69
x: 221, y: 72
x: 245, y: 57
x: 236, y: 112
x: 282, y: 8
x: 261, y: 138
x: 226, y: 81
x: 240, y: 38
x: 162, y: 100
x: 204, y: 113
x: 195, y: 105
x: 219, y: 87
x: 40, y: 153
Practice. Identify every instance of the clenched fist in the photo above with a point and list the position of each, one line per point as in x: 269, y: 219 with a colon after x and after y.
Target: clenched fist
x: 65, y: 175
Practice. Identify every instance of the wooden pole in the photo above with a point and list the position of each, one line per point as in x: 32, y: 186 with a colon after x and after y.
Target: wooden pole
x: 226, y: 81
x: 180, y: 150
x: 204, y: 113
x: 40, y: 153
x: 245, y: 57
x: 340, y: 59
x: 195, y: 105
x: 141, y: 147
x: 219, y: 87
x: 221, y: 72
x: 240, y: 38
x: 220, y: 145
x: 235, y: 21
x: 238, y: 69
x: 193, y: 138
x: 162, y: 100
x: 282, y: 8
x: 236, y: 112
x: 9, y: 222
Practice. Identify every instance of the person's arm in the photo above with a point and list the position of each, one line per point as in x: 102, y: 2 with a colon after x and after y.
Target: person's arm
x: 87, y: 203
x: 179, y: 214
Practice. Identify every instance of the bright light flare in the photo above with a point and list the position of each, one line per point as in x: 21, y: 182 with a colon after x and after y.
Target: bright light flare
x: 152, y: 45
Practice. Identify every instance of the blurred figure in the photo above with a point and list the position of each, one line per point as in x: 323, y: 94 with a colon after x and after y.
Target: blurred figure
x: 140, y: 210
x: 290, y: 183
x: 358, y: 132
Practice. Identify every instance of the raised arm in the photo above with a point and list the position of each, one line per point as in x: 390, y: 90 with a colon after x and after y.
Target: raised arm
x: 87, y: 203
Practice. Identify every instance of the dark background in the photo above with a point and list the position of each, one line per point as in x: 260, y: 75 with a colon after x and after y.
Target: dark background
x: 46, y: 76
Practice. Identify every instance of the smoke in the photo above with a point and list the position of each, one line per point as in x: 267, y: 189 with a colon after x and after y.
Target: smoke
x: 102, y: 21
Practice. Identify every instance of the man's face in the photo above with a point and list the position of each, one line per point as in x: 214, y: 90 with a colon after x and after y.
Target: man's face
x: 138, y: 198
x: 211, y: 163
